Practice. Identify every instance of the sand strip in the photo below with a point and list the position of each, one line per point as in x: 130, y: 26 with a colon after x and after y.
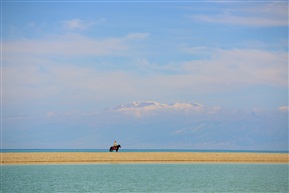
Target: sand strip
x: 141, y: 157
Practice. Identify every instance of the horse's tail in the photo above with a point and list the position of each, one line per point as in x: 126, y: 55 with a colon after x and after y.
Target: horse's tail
x: 110, y: 149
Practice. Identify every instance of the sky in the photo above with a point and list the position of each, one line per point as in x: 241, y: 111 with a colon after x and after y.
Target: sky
x: 67, y: 65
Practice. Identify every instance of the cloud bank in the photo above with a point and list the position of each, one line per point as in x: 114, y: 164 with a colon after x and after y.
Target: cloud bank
x: 258, y: 15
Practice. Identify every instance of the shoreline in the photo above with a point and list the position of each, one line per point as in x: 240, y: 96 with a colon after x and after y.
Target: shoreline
x: 139, y: 157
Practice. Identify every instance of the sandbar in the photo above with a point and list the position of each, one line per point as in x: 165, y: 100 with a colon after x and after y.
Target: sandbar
x: 140, y: 157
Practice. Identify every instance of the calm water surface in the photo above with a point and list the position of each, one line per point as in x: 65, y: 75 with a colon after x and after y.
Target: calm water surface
x: 145, y: 178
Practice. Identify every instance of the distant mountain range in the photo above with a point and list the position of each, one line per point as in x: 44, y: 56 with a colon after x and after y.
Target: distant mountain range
x: 156, y: 105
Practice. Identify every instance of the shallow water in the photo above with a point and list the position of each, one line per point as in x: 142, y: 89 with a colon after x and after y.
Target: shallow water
x: 145, y: 178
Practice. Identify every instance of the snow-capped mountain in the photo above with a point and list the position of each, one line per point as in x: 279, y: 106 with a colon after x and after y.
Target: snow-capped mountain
x: 140, y: 104
x: 152, y: 105
x: 185, y: 105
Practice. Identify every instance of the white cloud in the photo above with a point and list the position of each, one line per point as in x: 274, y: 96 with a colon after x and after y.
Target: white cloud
x: 71, y: 45
x: 32, y: 73
x: 254, y: 21
x: 67, y: 45
x: 26, y: 84
x: 259, y: 15
x: 33, y: 78
x: 241, y: 66
x: 77, y: 24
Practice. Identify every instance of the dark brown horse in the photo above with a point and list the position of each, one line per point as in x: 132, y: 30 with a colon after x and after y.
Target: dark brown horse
x: 114, y: 148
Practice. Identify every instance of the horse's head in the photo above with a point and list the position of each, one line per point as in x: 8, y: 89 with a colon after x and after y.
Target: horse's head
x: 119, y: 146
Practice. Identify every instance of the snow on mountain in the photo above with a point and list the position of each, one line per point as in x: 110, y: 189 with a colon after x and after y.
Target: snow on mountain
x: 140, y: 108
x: 141, y: 104
x: 186, y: 105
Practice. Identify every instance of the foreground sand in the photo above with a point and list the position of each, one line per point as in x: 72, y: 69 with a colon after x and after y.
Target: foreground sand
x: 137, y: 157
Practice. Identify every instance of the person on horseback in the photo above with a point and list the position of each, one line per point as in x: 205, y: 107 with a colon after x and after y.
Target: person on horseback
x: 115, y: 147
x: 115, y: 144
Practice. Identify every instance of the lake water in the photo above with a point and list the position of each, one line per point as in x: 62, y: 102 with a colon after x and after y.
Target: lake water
x: 145, y: 178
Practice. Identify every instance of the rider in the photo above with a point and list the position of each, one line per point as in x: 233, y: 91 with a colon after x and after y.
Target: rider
x: 114, y: 144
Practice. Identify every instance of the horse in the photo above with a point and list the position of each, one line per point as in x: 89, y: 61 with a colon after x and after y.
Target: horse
x: 114, y: 148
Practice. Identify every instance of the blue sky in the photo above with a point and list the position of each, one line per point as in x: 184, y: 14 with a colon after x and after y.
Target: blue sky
x: 65, y: 64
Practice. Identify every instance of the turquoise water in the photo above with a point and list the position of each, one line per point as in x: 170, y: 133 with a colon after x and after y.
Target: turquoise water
x: 145, y: 178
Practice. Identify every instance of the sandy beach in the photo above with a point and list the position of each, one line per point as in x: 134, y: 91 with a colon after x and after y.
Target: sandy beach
x: 141, y: 157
